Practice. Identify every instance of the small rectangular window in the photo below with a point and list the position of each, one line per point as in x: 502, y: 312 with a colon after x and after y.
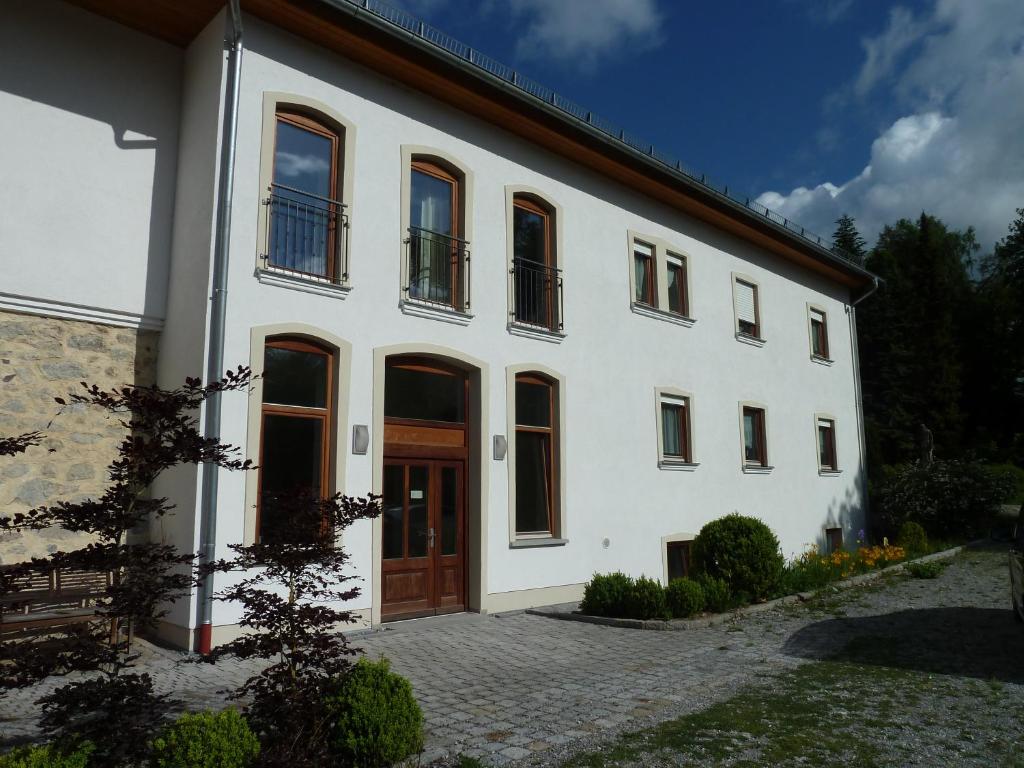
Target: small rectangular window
x: 827, y: 445
x: 834, y: 539
x: 677, y: 555
x: 675, y: 430
x: 747, y: 310
x: 676, y: 282
x: 819, y: 334
x: 755, y: 452
x: 643, y: 267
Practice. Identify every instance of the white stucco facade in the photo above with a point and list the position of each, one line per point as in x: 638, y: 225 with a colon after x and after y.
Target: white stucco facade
x: 147, y: 214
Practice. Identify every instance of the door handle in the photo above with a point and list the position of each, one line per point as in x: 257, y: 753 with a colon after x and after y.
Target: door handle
x: 430, y: 540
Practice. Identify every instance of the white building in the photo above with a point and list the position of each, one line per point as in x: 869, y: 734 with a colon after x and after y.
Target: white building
x: 553, y: 352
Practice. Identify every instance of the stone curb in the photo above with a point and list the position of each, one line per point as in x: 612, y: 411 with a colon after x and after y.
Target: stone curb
x: 569, y: 611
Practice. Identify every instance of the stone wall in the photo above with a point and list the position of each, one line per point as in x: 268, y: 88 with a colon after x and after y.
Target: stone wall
x: 42, y: 358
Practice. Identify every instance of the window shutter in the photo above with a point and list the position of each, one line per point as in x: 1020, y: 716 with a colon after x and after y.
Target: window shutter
x: 642, y: 249
x: 745, y: 300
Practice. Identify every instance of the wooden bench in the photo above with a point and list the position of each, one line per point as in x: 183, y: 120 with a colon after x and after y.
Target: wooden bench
x: 43, y: 601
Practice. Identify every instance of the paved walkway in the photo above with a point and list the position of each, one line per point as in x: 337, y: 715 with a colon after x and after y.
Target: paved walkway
x: 528, y: 688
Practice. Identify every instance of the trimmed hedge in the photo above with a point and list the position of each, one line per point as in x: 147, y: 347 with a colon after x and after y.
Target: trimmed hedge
x: 608, y: 594
x: 206, y: 740
x: 743, y: 552
x: 685, y: 598
x: 647, y: 600
x: 378, y: 721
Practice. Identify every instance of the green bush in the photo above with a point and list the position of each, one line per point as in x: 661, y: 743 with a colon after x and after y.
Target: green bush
x: 956, y: 499
x: 647, y: 600
x: 1014, y: 478
x: 717, y: 597
x: 206, y: 740
x: 805, y: 574
x: 912, y: 537
x: 929, y: 570
x: 377, y: 720
x: 685, y: 598
x: 741, y: 550
x: 46, y: 757
x: 607, y: 594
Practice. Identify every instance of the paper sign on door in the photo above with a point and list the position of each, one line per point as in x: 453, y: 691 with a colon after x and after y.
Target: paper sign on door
x: 415, y: 494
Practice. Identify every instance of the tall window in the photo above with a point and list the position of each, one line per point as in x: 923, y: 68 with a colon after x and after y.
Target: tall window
x: 676, y: 282
x: 677, y: 556
x: 819, y: 334
x: 536, y: 443
x: 536, y: 281
x: 827, y: 445
x: 643, y: 269
x: 675, y: 430
x: 435, y: 249
x: 748, y: 313
x: 295, y: 426
x: 755, y: 443
x: 304, y: 218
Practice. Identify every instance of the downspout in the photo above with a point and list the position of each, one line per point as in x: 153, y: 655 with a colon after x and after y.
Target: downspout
x: 218, y: 307
x: 859, y: 395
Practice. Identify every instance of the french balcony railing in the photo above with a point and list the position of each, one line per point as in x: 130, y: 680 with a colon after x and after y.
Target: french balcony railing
x: 306, y: 235
x: 536, y: 295
x: 438, y: 269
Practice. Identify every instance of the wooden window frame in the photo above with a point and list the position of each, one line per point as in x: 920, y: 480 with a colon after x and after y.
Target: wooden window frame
x: 325, y: 415
x: 756, y: 332
x: 683, y: 406
x: 650, y: 297
x: 830, y: 539
x: 760, y: 436
x: 527, y: 377
x: 438, y: 171
x: 830, y: 444
x: 311, y: 124
x: 819, y: 335
x: 526, y: 202
x: 687, y: 546
x: 674, y: 261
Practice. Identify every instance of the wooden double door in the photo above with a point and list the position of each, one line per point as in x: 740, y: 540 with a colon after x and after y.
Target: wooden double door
x: 423, y: 537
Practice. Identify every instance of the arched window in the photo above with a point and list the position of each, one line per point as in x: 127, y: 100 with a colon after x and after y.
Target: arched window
x: 295, y: 426
x: 306, y: 221
x: 536, y: 446
x: 437, y: 247
x: 536, y: 289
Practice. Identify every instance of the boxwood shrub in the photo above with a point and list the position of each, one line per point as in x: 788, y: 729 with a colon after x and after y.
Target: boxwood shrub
x: 717, y: 597
x: 607, y: 594
x: 377, y: 720
x: 206, y: 740
x: 743, y: 552
x: 647, y: 600
x: 912, y: 538
x: 685, y: 598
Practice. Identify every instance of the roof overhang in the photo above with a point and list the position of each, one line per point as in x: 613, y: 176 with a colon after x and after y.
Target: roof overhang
x: 349, y: 30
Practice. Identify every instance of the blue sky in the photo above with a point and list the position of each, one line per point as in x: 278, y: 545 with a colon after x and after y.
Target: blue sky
x: 817, y: 107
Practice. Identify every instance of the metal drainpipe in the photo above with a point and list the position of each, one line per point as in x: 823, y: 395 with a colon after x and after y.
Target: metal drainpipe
x: 859, y: 395
x: 218, y: 306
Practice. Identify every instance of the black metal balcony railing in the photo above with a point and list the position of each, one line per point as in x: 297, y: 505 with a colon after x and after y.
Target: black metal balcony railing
x: 438, y: 269
x: 537, y: 295
x: 306, y: 234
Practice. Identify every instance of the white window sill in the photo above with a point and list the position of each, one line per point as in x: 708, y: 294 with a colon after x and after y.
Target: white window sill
x: 535, y: 332
x: 829, y: 472
x: 660, y: 314
x: 826, y: 361
x: 433, y: 312
x: 756, y: 469
x: 281, y: 278
x: 678, y: 466
x: 746, y: 338
x: 541, y: 541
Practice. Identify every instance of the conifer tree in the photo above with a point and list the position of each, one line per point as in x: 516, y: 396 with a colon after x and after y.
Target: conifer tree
x: 847, y: 239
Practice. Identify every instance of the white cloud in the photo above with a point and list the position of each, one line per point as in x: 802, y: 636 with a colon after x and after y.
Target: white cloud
x: 292, y: 165
x: 582, y: 32
x: 958, y: 151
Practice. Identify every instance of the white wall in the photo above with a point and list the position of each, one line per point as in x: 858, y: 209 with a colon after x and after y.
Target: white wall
x: 88, y: 148
x: 612, y: 358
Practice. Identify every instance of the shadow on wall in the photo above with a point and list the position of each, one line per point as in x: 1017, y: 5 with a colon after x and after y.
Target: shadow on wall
x: 847, y: 512
x: 982, y: 643
x: 76, y: 62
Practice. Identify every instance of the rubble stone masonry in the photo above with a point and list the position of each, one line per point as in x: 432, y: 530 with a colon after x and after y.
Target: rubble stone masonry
x: 42, y: 358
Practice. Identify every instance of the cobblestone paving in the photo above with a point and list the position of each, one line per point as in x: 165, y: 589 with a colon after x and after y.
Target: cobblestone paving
x: 523, y: 688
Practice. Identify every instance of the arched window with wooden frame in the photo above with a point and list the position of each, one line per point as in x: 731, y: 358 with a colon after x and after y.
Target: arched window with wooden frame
x: 306, y: 221
x: 536, y: 446
x: 536, y: 278
x: 438, y: 256
x: 295, y: 426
